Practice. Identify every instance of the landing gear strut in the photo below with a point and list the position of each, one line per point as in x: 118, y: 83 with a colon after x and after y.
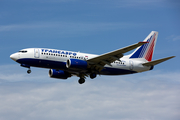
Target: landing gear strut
x: 81, y: 80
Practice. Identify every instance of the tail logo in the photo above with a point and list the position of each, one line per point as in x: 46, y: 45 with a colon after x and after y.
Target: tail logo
x: 146, y: 50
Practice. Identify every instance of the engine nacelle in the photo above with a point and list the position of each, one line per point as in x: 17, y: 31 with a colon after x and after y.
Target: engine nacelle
x: 76, y: 64
x: 59, y: 74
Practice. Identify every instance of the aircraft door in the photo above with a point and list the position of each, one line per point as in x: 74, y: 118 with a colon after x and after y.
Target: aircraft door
x: 36, y: 53
x: 131, y: 65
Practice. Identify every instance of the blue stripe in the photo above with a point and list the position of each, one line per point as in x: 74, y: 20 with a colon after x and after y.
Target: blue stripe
x: 142, y: 50
x: 43, y: 63
x: 137, y: 53
x: 62, y: 66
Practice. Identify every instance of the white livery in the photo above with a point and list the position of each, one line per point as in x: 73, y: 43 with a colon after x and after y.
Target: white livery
x: 64, y: 64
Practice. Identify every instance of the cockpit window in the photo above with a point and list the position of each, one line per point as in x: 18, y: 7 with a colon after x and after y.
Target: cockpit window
x: 23, y: 51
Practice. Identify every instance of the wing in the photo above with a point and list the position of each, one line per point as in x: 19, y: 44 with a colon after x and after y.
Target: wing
x: 99, y: 62
x: 155, y: 62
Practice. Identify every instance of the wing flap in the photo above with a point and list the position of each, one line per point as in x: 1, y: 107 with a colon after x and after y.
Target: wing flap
x: 155, y: 62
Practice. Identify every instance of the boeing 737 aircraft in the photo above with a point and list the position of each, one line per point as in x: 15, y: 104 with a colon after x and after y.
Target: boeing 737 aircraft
x: 64, y: 64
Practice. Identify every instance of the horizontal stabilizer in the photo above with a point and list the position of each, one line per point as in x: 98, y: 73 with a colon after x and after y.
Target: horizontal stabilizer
x: 155, y: 62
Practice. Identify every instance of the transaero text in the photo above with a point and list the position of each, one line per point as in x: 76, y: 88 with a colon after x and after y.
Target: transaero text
x: 59, y: 52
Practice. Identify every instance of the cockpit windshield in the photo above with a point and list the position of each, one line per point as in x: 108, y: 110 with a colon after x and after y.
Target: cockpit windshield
x: 23, y: 51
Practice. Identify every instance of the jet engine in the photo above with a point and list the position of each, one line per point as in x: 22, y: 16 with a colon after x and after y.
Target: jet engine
x: 59, y: 74
x: 76, y: 64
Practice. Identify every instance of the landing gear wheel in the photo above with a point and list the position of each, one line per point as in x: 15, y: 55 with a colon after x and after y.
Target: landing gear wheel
x: 81, y: 80
x: 29, y: 71
x: 93, y: 75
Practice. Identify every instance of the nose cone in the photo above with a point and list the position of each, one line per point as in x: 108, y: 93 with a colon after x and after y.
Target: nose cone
x: 14, y: 56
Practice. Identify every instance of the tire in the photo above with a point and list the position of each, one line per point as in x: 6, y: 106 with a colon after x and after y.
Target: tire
x: 81, y: 81
x: 29, y: 71
x: 93, y: 75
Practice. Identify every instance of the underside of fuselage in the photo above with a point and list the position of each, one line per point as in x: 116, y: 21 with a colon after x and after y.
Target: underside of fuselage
x: 49, y: 64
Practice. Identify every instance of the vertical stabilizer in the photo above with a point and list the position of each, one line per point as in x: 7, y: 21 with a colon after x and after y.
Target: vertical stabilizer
x: 146, y: 51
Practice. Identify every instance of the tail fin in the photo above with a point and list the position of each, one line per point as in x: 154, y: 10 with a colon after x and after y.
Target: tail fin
x: 146, y: 50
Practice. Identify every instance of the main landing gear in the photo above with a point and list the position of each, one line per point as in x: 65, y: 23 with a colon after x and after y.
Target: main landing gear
x: 81, y: 81
x: 93, y: 75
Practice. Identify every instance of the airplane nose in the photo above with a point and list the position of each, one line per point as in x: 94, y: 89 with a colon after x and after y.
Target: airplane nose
x: 13, y: 57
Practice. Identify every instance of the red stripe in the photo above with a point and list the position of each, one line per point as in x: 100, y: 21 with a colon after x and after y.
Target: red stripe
x: 149, y: 54
x: 150, y: 51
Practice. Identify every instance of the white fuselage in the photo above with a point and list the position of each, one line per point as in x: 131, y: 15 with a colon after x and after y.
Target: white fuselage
x: 64, y: 64
x: 56, y: 59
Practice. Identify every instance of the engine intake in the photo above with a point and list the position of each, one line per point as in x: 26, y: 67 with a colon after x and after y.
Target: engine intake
x: 59, y: 74
x: 76, y: 64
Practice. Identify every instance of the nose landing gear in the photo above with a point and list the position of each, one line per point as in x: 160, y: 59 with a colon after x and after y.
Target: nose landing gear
x: 29, y: 71
x: 27, y: 66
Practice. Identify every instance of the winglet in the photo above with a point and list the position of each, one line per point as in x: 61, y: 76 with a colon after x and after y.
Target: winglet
x: 155, y: 62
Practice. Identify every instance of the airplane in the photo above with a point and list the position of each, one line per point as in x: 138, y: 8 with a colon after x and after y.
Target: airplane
x: 63, y: 64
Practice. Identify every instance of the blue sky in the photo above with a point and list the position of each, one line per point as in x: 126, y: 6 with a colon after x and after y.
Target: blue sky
x: 91, y: 27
